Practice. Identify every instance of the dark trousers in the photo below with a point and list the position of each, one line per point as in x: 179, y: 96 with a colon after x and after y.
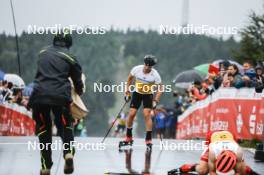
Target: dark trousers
x: 63, y: 121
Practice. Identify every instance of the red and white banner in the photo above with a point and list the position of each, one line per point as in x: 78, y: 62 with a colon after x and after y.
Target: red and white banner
x: 15, y: 121
x: 240, y: 111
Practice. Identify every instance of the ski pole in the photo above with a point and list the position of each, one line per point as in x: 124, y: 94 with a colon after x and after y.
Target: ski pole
x: 117, y: 117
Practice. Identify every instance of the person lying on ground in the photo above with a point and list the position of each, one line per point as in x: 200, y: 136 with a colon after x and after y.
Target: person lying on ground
x: 223, y: 155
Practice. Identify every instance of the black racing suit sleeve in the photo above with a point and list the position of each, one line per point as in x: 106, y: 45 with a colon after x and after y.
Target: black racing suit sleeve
x: 76, y: 76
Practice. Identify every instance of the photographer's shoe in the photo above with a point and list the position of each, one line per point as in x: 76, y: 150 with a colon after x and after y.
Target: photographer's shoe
x: 45, y: 172
x: 68, y: 166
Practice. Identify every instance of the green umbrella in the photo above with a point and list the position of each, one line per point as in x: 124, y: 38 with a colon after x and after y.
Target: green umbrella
x: 202, y: 68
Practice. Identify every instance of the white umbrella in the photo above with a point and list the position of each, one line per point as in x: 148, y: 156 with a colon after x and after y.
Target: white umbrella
x: 16, y: 80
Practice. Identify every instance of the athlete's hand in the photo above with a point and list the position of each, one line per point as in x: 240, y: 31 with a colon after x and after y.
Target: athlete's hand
x: 127, y: 96
x: 154, y: 104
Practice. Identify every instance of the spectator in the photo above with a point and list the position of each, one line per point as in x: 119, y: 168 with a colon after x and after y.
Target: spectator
x: 6, y: 92
x: 121, y: 126
x: 248, y: 68
x: 218, y: 79
x: 224, y: 65
x: 172, y: 118
x: 259, y: 74
x: 227, y: 82
x: 17, y: 96
x: 197, y: 94
x: 249, y: 74
x: 259, y: 82
x: 204, y: 88
x: 234, y: 77
x: 210, y: 80
x: 160, y: 121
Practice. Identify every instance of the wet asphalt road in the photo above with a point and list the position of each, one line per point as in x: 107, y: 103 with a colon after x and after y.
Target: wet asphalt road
x: 92, y: 158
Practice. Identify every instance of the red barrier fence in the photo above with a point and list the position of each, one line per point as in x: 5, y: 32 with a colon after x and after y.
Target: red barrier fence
x: 15, y: 121
x: 240, y: 111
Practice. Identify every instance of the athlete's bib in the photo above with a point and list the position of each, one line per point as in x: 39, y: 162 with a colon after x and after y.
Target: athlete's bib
x: 223, y: 140
x: 145, y: 83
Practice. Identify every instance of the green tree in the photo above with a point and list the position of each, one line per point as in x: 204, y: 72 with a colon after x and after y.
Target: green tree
x: 252, y: 40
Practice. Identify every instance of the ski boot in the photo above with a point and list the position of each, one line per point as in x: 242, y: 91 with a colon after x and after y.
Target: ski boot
x: 68, y: 167
x: 148, y: 146
x: 127, y: 142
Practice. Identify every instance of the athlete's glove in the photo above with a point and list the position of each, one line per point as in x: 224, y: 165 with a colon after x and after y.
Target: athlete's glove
x: 127, y: 98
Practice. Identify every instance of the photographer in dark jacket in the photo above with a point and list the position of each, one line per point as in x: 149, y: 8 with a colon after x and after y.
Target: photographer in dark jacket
x: 52, y: 92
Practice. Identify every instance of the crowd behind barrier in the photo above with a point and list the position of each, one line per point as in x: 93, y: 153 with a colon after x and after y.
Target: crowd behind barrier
x: 240, y: 111
x: 15, y: 120
x: 227, y: 74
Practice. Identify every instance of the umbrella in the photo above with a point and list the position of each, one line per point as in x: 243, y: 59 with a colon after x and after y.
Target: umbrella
x: 186, y: 78
x: 202, y: 68
x: 240, y: 67
x: 2, y: 74
x: 16, y: 80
